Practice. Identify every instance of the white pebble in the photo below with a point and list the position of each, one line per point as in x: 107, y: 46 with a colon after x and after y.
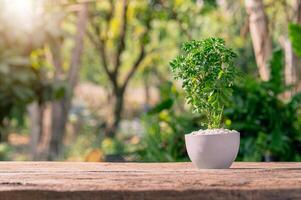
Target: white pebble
x: 213, y: 131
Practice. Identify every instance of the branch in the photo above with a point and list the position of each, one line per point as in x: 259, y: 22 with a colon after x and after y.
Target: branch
x: 93, y: 39
x: 108, y: 18
x: 175, y: 16
x: 286, y: 9
x: 111, y: 14
x: 121, y: 43
x: 244, y: 30
x: 182, y: 28
x: 56, y: 59
x: 100, y: 46
x: 134, y: 67
x: 139, y: 58
x: 78, y: 47
x: 103, y: 54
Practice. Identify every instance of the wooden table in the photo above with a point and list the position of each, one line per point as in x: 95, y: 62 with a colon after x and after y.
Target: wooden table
x: 65, y: 180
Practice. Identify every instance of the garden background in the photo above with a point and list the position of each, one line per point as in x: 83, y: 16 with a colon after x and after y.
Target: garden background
x: 89, y: 80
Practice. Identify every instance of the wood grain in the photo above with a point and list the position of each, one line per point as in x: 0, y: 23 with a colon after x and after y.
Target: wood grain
x: 58, y: 180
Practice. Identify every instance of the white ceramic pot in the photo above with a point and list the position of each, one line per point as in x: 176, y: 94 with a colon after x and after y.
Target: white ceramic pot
x: 213, y: 151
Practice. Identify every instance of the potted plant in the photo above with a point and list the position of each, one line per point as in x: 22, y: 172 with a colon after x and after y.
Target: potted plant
x: 207, y: 71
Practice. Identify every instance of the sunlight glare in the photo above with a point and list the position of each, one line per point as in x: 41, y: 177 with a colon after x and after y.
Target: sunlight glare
x: 22, y: 14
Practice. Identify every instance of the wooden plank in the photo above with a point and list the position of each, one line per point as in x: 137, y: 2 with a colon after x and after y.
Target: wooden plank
x: 57, y: 180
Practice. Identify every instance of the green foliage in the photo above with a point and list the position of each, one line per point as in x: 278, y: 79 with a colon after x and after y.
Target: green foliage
x: 16, y: 89
x: 276, y: 82
x: 295, y: 37
x: 209, y: 5
x: 5, y: 151
x: 22, y: 82
x: 112, y: 146
x: 270, y: 127
x: 208, y: 73
x: 164, y: 129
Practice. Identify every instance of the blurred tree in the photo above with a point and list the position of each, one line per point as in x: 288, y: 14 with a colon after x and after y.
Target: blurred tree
x: 110, y: 29
x: 48, y: 120
x: 292, y: 63
x: 128, y: 34
x: 287, y: 12
x: 264, y: 31
x: 262, y: 42
x: 21, y: 82
x: 60, y: 108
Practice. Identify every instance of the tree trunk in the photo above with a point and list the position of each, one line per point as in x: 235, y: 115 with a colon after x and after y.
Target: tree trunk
x: 35, y: 112
x: 291, y: 60
x: 118, y: 108
x: 112, y: 73
x: 297, y: 11
x: 290, y: 75
x: 58, y: 110
x: 262, y: 43
x: 297, y: 18
x: 61, y: 107
x: 59, y: 115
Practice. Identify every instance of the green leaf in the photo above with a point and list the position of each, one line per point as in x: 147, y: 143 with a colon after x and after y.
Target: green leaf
x: 277, y: 78
x: 295, y: 37
x: 166, y: 104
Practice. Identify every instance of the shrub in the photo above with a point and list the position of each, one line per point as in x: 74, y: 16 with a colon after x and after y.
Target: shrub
x: 270, y: 127
x: 207, y: 70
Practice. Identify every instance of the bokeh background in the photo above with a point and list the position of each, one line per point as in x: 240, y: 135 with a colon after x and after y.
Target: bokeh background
x: 89, y: 80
